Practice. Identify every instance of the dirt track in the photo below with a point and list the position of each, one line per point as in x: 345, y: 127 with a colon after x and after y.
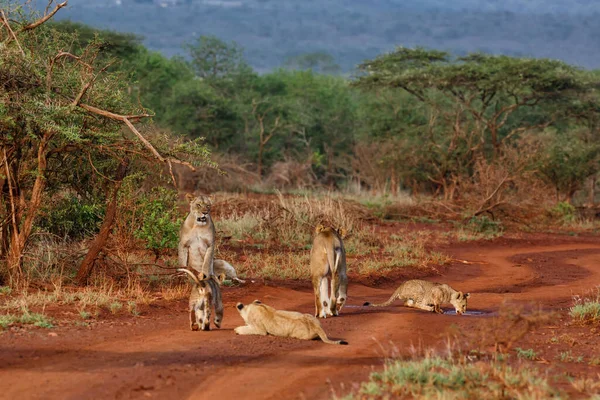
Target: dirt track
x: 159, y: 357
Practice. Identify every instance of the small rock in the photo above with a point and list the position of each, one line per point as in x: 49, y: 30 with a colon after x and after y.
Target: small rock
x: 53, y: 334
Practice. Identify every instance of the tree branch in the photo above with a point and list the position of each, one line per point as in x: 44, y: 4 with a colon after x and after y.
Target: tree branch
x: 127, y: 120
x: 10, y: 31
x: 44, y: 18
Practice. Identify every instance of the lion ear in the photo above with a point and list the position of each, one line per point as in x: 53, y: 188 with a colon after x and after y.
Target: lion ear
x: 467, y: 295
x: 459, y: 295
x: 207, y: 199
x: 319, y: 228
x: 189, y: 197
x: 343, y: 232
x: 257, y: 302
x: 221, y: 277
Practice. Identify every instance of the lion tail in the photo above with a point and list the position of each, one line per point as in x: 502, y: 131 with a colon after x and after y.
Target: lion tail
x: 325, y: 339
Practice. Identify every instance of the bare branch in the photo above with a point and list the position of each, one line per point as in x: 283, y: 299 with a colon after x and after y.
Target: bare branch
x: 44, y: 18
x: 127, y: 120
x: 481, y: 208
x: 10, y: 31
x: 90, y: 83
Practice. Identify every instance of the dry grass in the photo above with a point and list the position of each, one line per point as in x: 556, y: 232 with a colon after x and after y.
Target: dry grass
x: 99, y: 295
x: 280, y: 223
x: 278, y: 265
x: 402, y: 255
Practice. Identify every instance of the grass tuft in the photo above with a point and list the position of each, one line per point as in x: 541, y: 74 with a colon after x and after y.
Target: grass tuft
x: 450, y: 378
x: 27, y: 318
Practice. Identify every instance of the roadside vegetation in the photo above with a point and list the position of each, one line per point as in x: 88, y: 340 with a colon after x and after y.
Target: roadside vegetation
x: 454, y: 377
x: 479, y: 148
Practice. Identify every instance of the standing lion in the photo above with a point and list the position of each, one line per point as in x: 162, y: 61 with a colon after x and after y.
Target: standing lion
x: 197, y: 237
x: 328, y: 262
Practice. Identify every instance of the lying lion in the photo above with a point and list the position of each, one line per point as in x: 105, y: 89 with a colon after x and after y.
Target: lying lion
x: 262, y: 319
x: 427, y: 296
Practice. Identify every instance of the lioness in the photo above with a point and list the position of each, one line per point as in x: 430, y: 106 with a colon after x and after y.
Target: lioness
x: 328, y: 260
x: 197, y: 237
x: 223, y: 267
x: 262, y: 319
x: 427, y: 296
x: 205, y: 295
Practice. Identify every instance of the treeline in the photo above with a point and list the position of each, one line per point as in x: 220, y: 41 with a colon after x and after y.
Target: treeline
x: 414, y: 119
x: 478, y: 131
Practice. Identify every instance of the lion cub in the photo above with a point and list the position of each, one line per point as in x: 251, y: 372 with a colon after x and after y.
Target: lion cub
x: 262, y: 319
x: 204, y: 296
x: 223, y: 267
x: 427, y: 296
x: 328, y: 260
x: 197, y: 237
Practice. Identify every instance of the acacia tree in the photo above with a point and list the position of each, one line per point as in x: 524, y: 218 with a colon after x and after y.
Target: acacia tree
x: 472, y: 103
x: 57, y: 105
x: 213, y: 58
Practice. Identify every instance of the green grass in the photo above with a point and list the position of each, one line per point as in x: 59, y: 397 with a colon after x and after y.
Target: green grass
x: 5, y: 290
x: 27, y: 318
x: 115, y: 307
x: 528, y: 354
x: 132, y: 308
x: 84, y: 314
x: 447, y: 378
x: 588, y: 311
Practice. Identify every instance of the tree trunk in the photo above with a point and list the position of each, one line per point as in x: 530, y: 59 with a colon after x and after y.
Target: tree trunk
x: 260, y: 155
x: 87, y: 265
x: 22, y: 226
x: 592, y: 194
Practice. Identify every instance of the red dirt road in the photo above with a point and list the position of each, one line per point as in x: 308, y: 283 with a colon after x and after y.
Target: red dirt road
x: 158, y: 357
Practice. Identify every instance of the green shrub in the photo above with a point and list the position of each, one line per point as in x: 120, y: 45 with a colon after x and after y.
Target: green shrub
x: 564, y: 211
x: 71, y: 217
x: 483, y: 224
x: 160, y: 219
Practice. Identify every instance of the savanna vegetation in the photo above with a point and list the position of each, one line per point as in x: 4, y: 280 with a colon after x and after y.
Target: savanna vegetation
x: 481, y: 140
x: 100, y: 137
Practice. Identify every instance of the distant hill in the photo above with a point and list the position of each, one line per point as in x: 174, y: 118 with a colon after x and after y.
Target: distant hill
x: 270, y: 31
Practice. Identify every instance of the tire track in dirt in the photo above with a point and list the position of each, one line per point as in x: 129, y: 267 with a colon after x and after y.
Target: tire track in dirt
x: 161, y: 359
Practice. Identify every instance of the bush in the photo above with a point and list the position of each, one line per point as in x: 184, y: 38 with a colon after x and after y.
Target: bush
x: 160, y: 220
x: 564, y: 211
x: 72, y: 218
x: 482, y: 224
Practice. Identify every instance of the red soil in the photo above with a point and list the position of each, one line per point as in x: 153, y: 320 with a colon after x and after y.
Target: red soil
x: 157, y: 356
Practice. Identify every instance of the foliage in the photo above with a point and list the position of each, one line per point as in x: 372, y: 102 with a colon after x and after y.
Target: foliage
x: 483, y: 224
x: 474, y: 104
x: 435, y: 377
x: 212, y: 58
x: 565, y: 211
x: 61, y: 95
x: 26, y: 318
x: 160, y: 219
x: 71, y: 218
